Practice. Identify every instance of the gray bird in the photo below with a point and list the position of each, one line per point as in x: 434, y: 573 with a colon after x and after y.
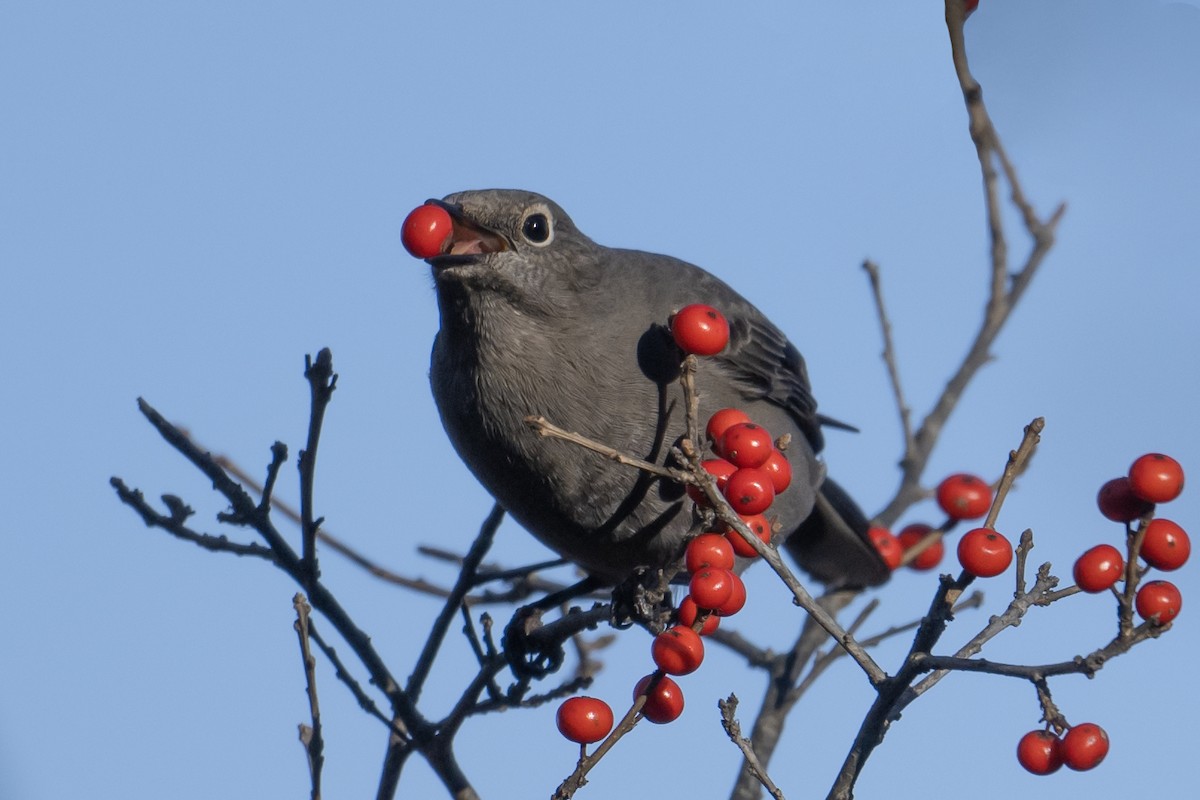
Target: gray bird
x: 537, y: 319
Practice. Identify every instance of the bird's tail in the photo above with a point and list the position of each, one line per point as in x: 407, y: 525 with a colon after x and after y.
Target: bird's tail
x: 832, y: 544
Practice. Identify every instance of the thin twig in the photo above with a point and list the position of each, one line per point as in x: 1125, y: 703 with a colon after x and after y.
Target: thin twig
x: 466, y: 577
x: 889, y: 356
x: 543, y: 427
x: 175, y: 524
x: 322, y: 381
x: 310, y: 736
x: 279, y: 453
x: 396, y: 725
x: 734, y: 730
x: 1016, y: 461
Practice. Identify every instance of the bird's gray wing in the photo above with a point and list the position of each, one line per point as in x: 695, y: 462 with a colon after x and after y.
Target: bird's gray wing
x: 763, y: 364
x: 759, y: 363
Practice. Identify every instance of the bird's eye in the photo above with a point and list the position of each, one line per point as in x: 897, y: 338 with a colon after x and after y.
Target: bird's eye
x: 536, y: 228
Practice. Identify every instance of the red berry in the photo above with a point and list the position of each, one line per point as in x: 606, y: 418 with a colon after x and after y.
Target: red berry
x: 700, y: 330
x: 964, y: 496
x: 1156, y: 478
x: 1084, y: 746
x: 746, y: 445
x: 1165, y: 545
x: 711, y: 587
x: 1118, y: 502
x: 781, y: 470
x: 969, y: 6
x: 426, y: 230
x: 759, y: 526
x: 709, y: 550
x: 928, y: 558
x: 984, y: 553
x: 887, y: 545
x: 1158, y: 597
x: 1099, y: 568
x: 721, y: 421
x: 678, y: 650
x: 720, y: 469
x: 737, y: 598
x: 584, y: 720
x: 689, y: 612
x: 1040, y: 752
x: 664, y: 700
x: 750, y: 490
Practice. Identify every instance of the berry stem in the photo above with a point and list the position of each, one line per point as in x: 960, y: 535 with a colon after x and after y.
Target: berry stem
x: 1133, y: 538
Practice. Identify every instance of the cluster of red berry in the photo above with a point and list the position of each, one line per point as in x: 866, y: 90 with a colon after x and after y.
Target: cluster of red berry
x: 1161, y: 543
x: 982, y: 552
x: 1153, y: 478
x: 1083, y: 747
x: 749, y: 471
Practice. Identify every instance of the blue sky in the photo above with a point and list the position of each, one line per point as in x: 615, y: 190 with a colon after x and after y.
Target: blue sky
x: 192, y: 197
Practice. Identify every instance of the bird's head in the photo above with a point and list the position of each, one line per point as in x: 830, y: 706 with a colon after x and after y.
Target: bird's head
x: 517, y: 244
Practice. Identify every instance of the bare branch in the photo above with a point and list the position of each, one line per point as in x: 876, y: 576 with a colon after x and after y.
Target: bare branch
x: 1087, y: 665
x: 406, y: 720
x: 1004, y: 291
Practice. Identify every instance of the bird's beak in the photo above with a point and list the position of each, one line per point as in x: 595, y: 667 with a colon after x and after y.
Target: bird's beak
x: 469, y: 237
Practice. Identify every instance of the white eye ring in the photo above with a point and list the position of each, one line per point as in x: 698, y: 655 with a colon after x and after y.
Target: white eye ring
x: 537, y: 227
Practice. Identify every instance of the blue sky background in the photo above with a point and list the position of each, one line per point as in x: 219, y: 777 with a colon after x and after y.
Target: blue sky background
x: 193, y: 196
